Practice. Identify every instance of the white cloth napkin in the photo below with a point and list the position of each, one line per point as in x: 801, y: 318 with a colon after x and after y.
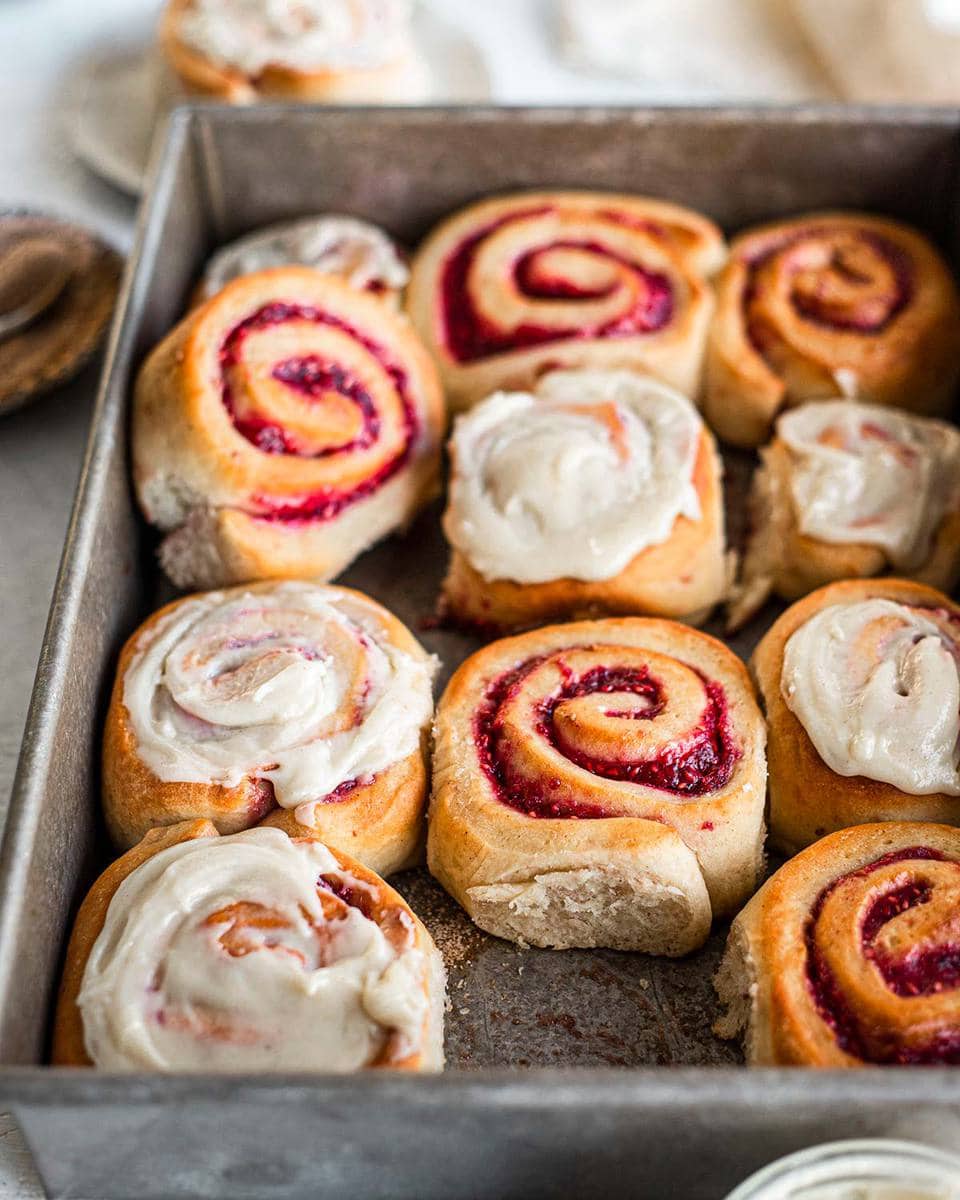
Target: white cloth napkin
x: 887, y: 50
x: 871, y: 50
x: 694, y: 49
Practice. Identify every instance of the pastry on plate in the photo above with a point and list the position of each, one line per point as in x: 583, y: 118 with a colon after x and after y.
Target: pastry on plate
x: 249, y: 952
x: 862, y: 692
x: 850, y: 490
x: 298, y: 704
x: 600, y: 783
x: 309, y: 51
x: 356, y: 251
x: 517, y: 285
x: 283, y: 427
x: 848, y: 956
x: 597, y: 493
x: 826, y: 304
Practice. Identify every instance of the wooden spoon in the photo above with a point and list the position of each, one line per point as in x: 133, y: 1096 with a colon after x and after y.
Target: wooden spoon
x: 32, y: 275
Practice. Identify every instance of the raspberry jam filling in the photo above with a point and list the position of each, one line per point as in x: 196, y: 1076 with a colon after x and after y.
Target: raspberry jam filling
x: 843, y: 294
x: 702, y: 762
x: 469, y: 335
x: 921, y: 971
x: 313, y: 377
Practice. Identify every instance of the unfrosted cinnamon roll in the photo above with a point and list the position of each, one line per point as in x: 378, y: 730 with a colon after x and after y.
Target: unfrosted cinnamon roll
x: 252, y: 952
x: 851, y: 490
x: 283, y: 427
x: 356, y: 251
x: 599, y: 784
x: 850, y: 955
x: 327, y: 51
x: 862, y: 691
x: 514, y: 286
x: 826, y: 304
x: 598, y: 493
x: 297, y: 703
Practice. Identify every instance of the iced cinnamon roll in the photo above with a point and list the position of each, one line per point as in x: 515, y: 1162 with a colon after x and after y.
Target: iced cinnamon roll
x: 515, y: 286
x: 599, y: 784
x: 850, y: 955
x: 355, y: 251
x: 862, y: 690
x: 282, y: 428
x: 302, y: 705
x: 828, y: 304
x: 849, y: 490
x: 252, y: 952
x: 597, y: 493
x: 319, y: 51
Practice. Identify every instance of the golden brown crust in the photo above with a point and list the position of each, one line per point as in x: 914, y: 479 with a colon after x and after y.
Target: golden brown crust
x: 682, y: 578
x: 704, y: 852
x: 204, y: 77
x: 765, y: 976
x: 807, y: 799
x: 676, y: 242
x: 69, y: 1048
x: 197, y: 475
x: 913, y: 362
x: 380, y: 823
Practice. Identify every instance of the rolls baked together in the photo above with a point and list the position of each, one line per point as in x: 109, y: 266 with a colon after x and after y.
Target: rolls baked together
x: 269, y: 745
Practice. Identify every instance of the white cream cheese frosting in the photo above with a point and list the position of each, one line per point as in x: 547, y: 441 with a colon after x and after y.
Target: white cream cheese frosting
x: 304, y: 35
x: 574, y: 480
x: 297, y: 684
x: 872, y: 476
x: 357, y: 251
x: 875, y: 685
x: 223, y: 954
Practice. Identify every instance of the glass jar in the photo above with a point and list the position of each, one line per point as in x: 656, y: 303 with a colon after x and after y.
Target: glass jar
x: 858, y: 1170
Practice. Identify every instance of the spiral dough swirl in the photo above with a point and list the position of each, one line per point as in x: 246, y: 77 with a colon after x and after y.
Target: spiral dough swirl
x: 620, y: 713
x: 883, y: 958
x: 252, y: 952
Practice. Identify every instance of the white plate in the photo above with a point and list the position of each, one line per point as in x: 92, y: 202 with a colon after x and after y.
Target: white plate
x: 117, y: 98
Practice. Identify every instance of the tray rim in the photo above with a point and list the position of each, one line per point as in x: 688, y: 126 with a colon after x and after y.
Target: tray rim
x: 40, y: 1085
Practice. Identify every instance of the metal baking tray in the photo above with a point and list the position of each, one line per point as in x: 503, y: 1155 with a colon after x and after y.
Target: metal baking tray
x: 578, y: 1073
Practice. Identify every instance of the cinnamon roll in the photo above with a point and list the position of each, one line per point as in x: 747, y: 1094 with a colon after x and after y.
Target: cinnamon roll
x: 850, y: 490
x: 598, y: 493
x: 828, y: 304
x: 599, y: 784
x: 513, y: 286
x: 356, y: 251
x: 251, y: 952
x: 862, y: 691
x: 850, y: 955
x: 302, y: 705
x: 319, y: 51
x: 281, y: 428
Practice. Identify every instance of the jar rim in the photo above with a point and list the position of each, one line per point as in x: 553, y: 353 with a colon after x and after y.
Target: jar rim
x: 906, y: 1163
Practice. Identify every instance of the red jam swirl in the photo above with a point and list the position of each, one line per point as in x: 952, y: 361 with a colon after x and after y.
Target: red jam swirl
x: 921, y: 971
x: 313, y: 377
x: 701, y: 763
x: 469, y: 335
x: 858, y: 285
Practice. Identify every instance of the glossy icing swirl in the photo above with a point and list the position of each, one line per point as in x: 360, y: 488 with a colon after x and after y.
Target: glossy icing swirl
x: 256, y: 953
x: 637, y: 718
x: 883, y: 958
x: 875, y: 685
x: 304, y: 35
x: 297, y: 685
x: 360, y: 253
x: 573, y: 480
x: 867, y: 475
